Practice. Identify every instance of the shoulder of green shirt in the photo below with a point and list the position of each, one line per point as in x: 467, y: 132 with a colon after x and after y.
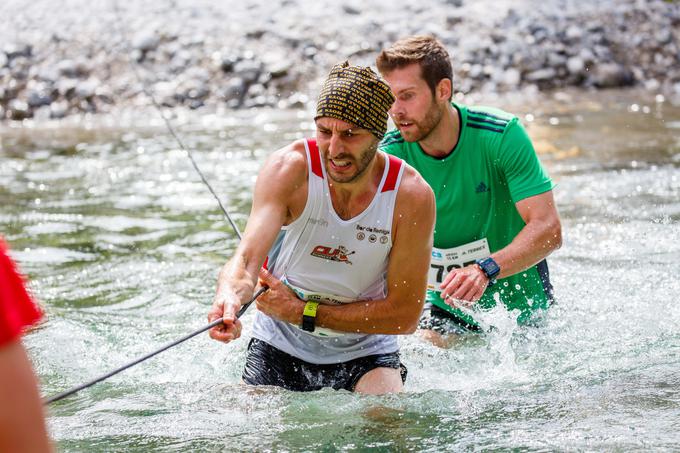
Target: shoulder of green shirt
x: 489, y: 118
x: 392, y: 137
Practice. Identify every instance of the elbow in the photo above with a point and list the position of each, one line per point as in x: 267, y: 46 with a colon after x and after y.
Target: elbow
x: 556, y: 235
x: 411, y: 320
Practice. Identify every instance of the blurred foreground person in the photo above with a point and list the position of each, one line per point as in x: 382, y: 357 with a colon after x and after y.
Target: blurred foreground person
x: 22, y: 423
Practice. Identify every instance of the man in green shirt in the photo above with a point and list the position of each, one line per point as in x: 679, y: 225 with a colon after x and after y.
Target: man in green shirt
x: 496, y: 216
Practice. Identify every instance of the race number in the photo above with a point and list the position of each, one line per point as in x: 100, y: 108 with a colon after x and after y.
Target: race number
x: 445, y: 260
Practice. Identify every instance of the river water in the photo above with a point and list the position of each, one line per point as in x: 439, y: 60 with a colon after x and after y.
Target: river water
x: 123, y: 243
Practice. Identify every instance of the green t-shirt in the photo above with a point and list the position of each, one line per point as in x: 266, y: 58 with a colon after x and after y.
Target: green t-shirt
x: 476, y: 186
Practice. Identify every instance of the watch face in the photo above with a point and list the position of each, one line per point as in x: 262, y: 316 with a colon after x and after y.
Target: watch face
x: 490, y: 267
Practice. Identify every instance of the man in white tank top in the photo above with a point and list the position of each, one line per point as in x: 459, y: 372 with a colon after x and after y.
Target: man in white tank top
x: 345, y: 232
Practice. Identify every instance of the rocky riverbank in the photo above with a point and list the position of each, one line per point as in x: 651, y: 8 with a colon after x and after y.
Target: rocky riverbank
x: 76, y: 56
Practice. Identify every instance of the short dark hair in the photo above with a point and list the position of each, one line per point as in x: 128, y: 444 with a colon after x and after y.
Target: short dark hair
x: 427, y: 51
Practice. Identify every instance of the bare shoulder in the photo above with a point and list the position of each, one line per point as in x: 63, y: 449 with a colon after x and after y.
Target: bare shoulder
x: 413, y: 188
x: 286, y: 166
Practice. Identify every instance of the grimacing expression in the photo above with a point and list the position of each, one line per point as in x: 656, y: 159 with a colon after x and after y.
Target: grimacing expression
x: 415, y: 111
x: 347, y: 150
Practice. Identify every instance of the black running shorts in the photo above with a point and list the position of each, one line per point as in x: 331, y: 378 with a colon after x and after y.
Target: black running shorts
x: 267, y: 365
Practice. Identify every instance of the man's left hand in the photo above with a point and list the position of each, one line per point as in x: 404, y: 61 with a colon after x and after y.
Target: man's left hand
x: 280, y: 302
x: 464, y: 286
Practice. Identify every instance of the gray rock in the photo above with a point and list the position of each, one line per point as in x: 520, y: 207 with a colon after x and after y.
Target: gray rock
x: 663, y: 36
x: 226, y: 61
x: 610, y: 75
x: 541, y: 75
x: 38, y: 97
x: 18, y: 110
x: 279, y: 68
x: 574, y: 32
x: 73, y: 69
x: 248, y: 70
x: 235, y: 89
x: 58, y: 109
x: 512, y: 77
x: 15, y: 49
x: 146, y: 41
x: 3, y: 59
x: 66, y: 87
x: 575, y: 65
x: 351, y: 10
x: 86, y: 89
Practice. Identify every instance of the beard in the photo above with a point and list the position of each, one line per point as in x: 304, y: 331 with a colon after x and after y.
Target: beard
x: 361, y: 164
x: 424, y: 127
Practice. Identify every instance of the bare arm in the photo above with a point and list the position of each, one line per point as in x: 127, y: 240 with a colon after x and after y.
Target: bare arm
x: 22, y: 424
x: 279, y: 185
x: 398, y: 313
x: 540, y: 236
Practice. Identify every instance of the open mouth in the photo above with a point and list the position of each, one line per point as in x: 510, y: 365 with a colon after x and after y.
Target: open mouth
x: 340, y: 164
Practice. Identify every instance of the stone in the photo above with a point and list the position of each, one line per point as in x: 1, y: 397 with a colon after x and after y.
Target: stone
x: 610, y: 75
x: 575, y: 65
x: 18, y: 110
x: 541, y: 75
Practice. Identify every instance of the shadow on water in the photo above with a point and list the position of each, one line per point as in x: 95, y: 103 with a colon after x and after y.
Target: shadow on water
x: 123, y: 243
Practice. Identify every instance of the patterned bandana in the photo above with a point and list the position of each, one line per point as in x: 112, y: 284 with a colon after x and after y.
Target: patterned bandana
x: 356, y: 95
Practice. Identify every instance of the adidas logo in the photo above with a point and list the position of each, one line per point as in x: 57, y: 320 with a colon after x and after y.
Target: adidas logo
x: 481, y: 188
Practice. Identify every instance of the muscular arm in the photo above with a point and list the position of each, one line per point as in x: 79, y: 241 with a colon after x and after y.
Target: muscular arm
x: 541, y: 235
x: 409, y: 260
x: 279, y: 186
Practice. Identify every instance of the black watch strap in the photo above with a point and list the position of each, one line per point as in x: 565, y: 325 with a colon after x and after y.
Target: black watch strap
x: 309, y: 316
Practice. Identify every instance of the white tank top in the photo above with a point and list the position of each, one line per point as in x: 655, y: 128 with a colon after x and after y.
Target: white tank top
x: 323, y: 257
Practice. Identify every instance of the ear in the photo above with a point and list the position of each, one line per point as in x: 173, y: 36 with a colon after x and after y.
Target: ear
x: 444, y: 90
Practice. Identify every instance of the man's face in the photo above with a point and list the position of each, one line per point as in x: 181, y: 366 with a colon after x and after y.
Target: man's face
x: 415, y: 111
x: 347, y: 150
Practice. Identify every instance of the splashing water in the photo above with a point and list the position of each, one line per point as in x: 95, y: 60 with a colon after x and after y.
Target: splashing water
x: 124, y: 246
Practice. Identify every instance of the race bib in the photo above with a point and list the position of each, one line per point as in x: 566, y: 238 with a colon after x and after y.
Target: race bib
x: 445, y: 260
x: 326, y: 299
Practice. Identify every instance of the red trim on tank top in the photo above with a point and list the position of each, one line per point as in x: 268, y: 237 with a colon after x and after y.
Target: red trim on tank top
x: 392, y: 174
x: 315, y: 157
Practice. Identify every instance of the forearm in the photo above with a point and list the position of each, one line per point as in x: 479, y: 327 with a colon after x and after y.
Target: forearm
x: 382, y: 316
x: 236, y: 280
x: 533, y: 243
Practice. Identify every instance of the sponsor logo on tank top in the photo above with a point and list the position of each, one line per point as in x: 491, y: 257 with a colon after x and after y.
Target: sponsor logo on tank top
x: 372, y: 234
x: 339, y: 254
x: 319, y: 222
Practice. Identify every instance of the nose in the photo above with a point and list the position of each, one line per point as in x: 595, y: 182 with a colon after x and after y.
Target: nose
x: 396, y: 109
x: 335, y: 146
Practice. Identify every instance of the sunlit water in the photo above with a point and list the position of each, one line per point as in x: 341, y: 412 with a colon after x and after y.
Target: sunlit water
x: 123, y: 243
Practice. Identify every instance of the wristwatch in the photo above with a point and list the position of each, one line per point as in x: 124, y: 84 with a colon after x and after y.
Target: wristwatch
x: 309, y: 316
x: 490, y: 268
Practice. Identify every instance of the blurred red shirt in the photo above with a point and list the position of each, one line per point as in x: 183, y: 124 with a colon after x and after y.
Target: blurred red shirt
x: 17, y: 309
